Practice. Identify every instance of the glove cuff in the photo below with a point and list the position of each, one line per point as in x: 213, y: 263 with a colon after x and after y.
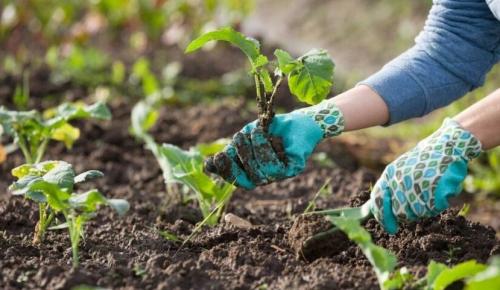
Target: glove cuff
x: 454, y: 140
x: 327, y: 116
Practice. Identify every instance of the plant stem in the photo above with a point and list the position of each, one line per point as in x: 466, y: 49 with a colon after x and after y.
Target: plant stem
x: 261, y: 102
x: 74, y: 235
x: 37, y: 238
x: 25, y: 150
x: 41, y: 150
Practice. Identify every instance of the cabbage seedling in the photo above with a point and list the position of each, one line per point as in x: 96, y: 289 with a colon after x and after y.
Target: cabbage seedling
x: 184, y: 166
x: 51, y: 184
x: 309, y: 76
x: 32, y: 130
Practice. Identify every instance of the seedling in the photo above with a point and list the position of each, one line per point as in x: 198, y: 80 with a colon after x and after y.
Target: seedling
x: 51, y: 184
x: 358, y: 214
x: 309, y: 76
x: 184, y: 167
x: 32, y: 131
x: 473, y: 275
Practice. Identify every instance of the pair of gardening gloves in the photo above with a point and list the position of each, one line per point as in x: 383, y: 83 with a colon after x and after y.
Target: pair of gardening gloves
x: 416, y: 185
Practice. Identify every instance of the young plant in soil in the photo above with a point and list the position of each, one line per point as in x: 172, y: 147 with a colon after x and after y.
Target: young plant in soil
x: 51, y: 184
x: 184, y: 167
x: 309, y: 76
x: 32, y: 131
x: 468, y: 275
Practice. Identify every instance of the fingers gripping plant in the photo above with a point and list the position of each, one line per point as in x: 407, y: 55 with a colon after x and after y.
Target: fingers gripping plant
x: 32, y: 131
x: 51, y: 184
x: 309, y: 76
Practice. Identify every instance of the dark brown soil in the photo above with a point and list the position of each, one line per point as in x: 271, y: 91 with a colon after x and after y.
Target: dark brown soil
x: 129, y: 253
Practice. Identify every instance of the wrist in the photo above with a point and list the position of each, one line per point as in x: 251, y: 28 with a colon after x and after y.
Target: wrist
x: 327, y: 116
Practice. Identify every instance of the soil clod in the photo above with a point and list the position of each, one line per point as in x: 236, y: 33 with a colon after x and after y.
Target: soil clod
x: 313, y: 236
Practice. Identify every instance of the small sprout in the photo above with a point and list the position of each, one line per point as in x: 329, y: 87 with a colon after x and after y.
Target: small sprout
x: 32, y: 131
x: 139, y: 271
x: 464, y: 211
x: 51, y: 185
x: 169, y: 236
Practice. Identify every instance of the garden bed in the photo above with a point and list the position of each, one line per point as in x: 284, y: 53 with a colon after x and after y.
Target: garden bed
x: 130, y: 253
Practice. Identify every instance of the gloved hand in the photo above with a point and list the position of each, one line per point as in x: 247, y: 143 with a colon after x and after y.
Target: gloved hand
x: 418, y: 184
x: 251, y: 159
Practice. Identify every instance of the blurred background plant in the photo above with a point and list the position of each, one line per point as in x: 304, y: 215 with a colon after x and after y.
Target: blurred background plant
x: 130, y: 49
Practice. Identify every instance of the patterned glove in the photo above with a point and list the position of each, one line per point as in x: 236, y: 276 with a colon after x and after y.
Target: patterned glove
x: 251, y: 159
x: 419, y: 183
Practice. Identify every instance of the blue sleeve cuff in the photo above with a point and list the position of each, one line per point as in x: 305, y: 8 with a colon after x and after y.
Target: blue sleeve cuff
x: 414, y: 84
x: 403, y: 95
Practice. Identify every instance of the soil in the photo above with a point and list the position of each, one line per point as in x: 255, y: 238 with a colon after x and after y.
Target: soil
x: 130, y: 252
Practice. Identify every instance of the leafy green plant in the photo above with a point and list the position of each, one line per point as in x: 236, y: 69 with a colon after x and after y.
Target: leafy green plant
x: 381, y: 259
x: 32, y: 131
x: 473, y: 275
x: 309, y: 76
x: 51, y: 184
x: 184, y: 167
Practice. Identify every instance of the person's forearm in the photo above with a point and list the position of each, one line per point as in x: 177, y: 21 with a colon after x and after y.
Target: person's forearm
x: 483, y: 120
x: 361, y: 108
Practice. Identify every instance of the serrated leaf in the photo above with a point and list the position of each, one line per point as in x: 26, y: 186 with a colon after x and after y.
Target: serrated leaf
x: 311, y: 82
x: 88, y: 176
x: 66, y: 134
x: 249, y: 46
x: 286, y: 63
x: 457, y: 273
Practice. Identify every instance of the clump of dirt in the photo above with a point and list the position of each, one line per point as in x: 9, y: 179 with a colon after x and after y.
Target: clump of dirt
x: 306, y: 245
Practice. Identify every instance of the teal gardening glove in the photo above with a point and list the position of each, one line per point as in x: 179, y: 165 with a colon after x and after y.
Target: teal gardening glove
x: 418, y: 184
x: 251, y: 159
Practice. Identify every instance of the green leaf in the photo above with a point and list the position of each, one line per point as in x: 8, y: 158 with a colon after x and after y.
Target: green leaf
x: 208, y: 149
x: 66, y: 134
x: 433, y: 270
x: 457, y: 273
x: 399, y: 279
x: 143, y: 118
x: 87, y: 201
x: 170, y: 236
x: 487, y: 279
x: 381, y: 259
x: 286, y: 63
x: 311, y: 81
x: 62, y: 175
x: 121, y: 206
x: 88, y: 176
x: 56, y: 198
x: 249, y: 46
x: 21, y: 171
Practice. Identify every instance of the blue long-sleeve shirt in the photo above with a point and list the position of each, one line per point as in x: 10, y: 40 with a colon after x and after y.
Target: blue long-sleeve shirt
x: 459, y: 44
